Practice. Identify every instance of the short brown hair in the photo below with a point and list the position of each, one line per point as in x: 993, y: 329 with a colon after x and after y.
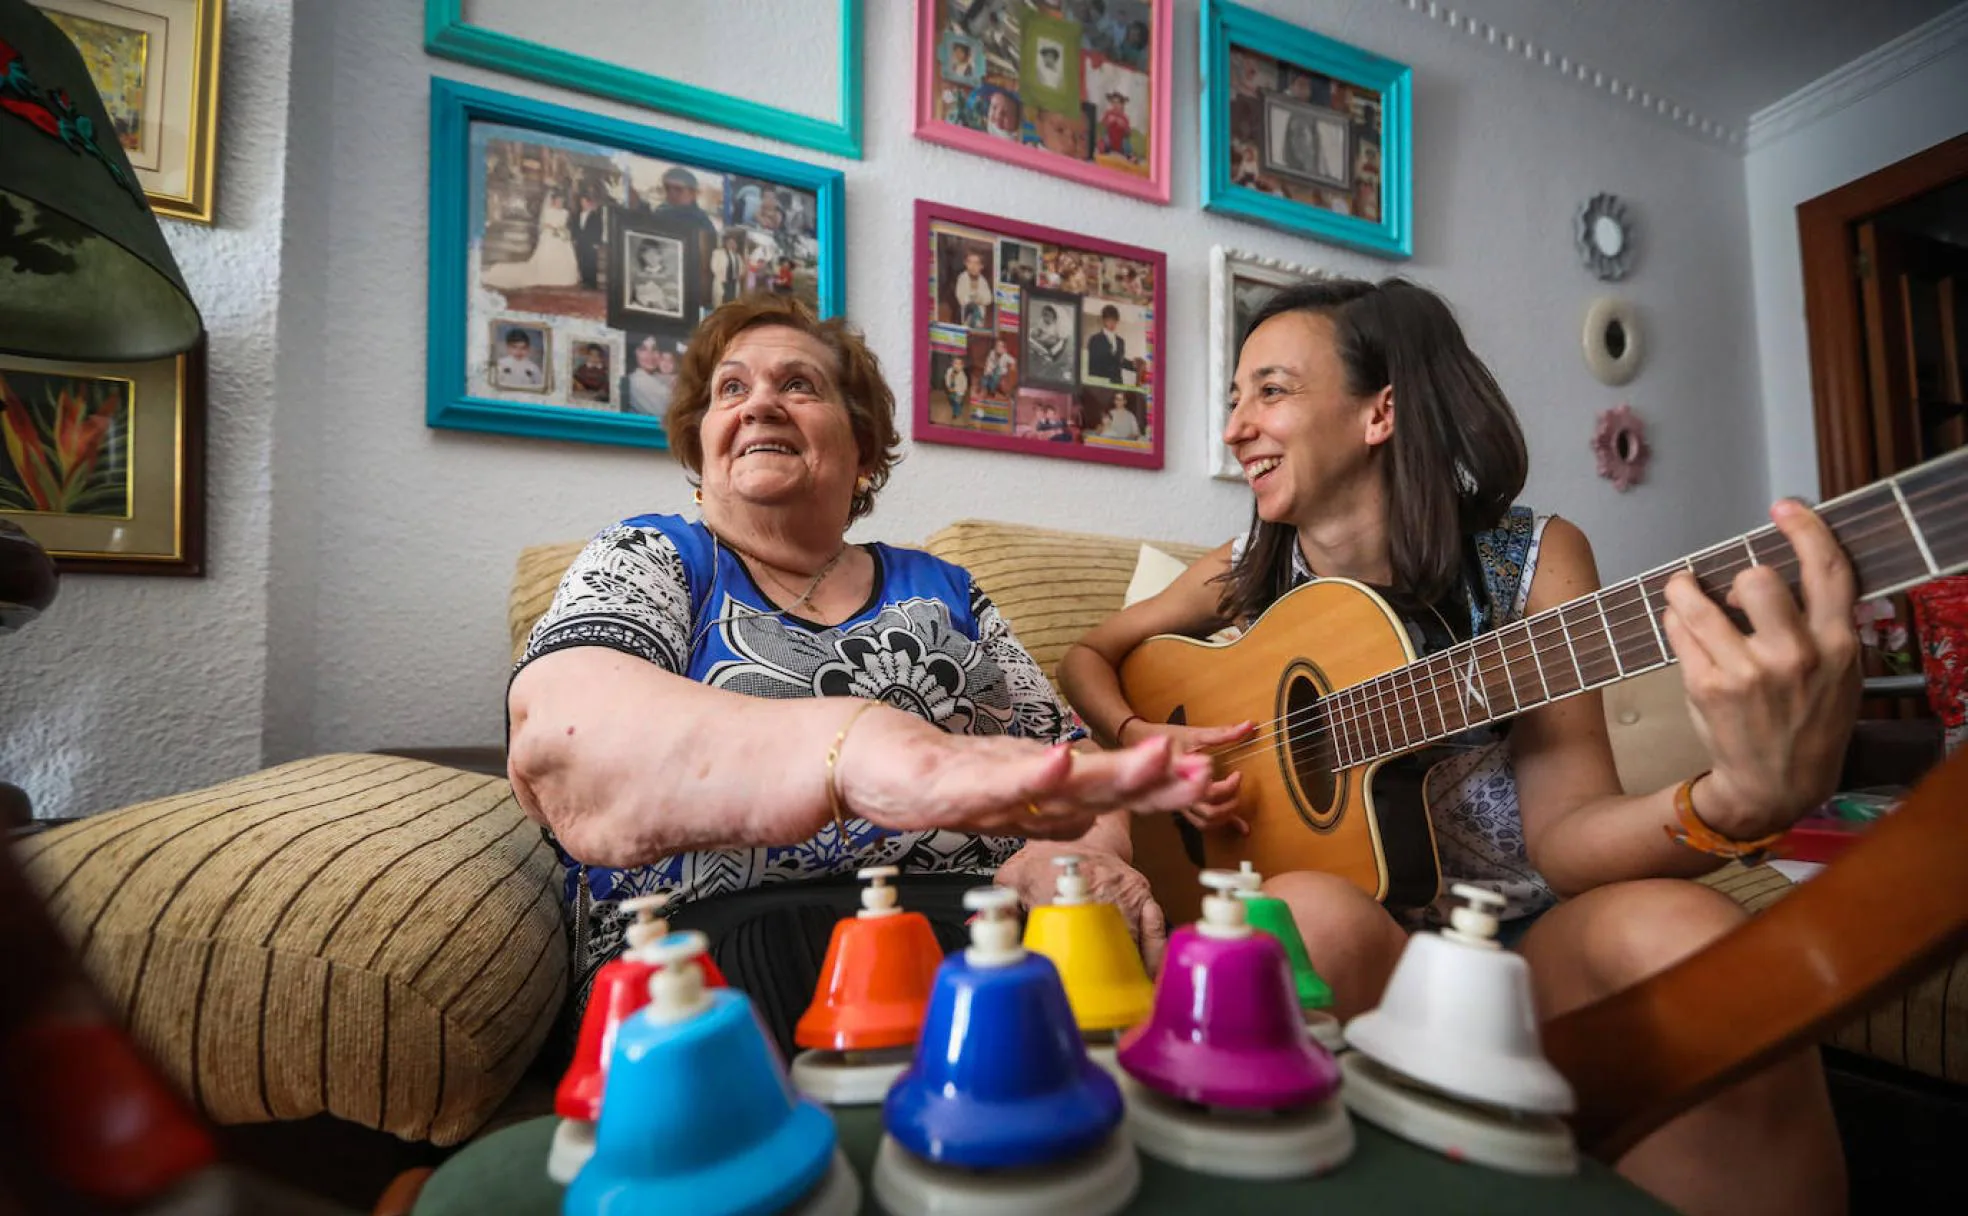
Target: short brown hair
x: 865, y: 393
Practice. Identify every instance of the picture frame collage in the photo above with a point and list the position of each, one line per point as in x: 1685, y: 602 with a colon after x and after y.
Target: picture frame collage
x: 573, y: 255
x: 1300, y: 132
x: 1035, y: 340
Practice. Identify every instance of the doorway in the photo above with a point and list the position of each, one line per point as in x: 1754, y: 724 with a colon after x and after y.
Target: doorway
x: 1886, y: 308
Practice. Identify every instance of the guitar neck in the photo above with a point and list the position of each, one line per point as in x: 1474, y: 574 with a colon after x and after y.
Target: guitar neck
x: 1897, y: 533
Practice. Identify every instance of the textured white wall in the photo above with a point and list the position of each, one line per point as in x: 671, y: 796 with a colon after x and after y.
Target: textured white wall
x: 418, y: 528
x: 392, y: 544
x: 1910, y: 113
x: 132, y: 687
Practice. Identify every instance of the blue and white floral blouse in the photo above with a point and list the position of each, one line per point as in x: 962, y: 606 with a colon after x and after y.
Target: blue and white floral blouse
x: 928, y: 641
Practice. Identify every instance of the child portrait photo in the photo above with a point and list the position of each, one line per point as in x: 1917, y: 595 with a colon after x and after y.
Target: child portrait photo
x: 518, y: 356
x: 1052, y: 339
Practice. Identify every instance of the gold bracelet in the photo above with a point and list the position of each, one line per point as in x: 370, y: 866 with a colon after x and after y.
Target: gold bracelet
x: 834, y: 799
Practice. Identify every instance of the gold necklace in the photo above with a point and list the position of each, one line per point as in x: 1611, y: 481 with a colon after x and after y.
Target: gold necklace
x: 805, y: 597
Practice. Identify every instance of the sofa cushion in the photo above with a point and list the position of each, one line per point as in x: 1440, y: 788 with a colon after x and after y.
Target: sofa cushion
x: 1050, y: 586
x: 374, y: 938
x: 535, y: 580
x: 1925, y: 1028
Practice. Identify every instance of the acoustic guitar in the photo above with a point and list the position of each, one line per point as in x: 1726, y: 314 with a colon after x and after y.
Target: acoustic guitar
x: 1331, y: 678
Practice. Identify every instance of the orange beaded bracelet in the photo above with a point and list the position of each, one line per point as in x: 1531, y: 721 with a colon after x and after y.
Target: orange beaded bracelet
x: 1692, y: 833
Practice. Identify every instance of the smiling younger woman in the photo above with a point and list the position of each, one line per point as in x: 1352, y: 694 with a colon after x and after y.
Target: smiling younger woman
x: 1378, y: 448
x: 722, y: 703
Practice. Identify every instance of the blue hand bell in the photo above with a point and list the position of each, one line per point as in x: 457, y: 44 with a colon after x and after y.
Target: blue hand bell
x: 698, y: 1115
x: 1001, y: 1110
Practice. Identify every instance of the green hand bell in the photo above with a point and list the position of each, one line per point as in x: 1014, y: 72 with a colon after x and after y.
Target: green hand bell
x: 1269, y: 914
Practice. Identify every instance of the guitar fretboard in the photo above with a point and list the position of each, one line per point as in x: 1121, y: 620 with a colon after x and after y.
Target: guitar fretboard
x: 1897, y: 533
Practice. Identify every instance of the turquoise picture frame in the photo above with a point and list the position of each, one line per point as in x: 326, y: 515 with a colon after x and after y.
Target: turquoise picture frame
x: 1224, y: 25
x: 447, y: 34
x: 455, y: 108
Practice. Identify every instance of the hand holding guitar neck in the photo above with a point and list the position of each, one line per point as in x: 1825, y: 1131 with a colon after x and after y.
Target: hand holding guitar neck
x: 1775, y: 705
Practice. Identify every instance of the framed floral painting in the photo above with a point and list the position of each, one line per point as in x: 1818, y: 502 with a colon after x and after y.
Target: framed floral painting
x: 573, y: 255
x: 1078, y: 89
x: 1305, y: 133
x: 104, y: 463
x: 156, y: 65
x: 1035, y: 340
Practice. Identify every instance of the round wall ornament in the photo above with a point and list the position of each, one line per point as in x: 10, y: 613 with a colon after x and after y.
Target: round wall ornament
x: 1612, y: 340
x: 1620, y: 443
x: 1605, y: 237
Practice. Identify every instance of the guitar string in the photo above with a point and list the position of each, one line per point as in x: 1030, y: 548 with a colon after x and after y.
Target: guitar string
x: 1354, y: 710
x: 1380, y: 694
x: 1384, y: 694
x: 1357, y: 710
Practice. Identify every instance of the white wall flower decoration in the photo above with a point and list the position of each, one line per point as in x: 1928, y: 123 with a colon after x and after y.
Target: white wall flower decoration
x: 1605, y: 237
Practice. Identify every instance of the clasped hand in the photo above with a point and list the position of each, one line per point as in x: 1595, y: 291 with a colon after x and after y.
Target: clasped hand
x: 1775, y: 706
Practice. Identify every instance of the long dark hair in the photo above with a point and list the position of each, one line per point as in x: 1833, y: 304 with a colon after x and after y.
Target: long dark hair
x: 1457, y: 458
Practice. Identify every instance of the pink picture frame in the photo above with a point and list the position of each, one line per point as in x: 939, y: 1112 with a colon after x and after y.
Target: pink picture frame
x: 1036, y: 340
x: 963, y: 96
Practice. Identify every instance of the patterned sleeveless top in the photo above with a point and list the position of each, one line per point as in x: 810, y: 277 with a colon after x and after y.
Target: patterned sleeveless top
x: 1472, y: 796
x: 928, y: 641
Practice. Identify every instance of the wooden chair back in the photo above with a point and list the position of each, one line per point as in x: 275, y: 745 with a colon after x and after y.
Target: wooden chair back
x: 1888, y: 911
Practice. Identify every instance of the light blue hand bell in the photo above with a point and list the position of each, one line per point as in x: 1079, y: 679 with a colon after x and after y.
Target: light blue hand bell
x: 698, y: 1115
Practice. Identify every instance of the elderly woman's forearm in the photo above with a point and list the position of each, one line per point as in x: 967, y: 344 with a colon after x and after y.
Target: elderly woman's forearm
x: 628, y: 763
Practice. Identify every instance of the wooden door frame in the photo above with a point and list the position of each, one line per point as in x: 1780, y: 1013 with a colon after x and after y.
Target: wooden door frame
x: 1839, y: 398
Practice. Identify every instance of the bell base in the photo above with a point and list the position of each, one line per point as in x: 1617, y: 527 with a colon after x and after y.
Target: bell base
x: 1326, y: 1030
x: 838, y: 1194
x: 1230, y: 1143
x: 573, y: 1143
x: 1102, y: 1047
x: 848, y: 1078
x: 1100, y: 1183
x: 1461, y: 1131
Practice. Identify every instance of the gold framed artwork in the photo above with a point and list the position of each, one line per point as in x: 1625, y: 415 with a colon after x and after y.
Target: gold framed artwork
x: 156, y: 64
x: 104, y: 463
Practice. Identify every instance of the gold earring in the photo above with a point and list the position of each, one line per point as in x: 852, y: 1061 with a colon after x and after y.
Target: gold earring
x: 697, y: 496
x: 862, y: 483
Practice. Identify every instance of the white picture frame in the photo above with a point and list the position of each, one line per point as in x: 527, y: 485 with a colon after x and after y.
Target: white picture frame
x: 1230, y: 270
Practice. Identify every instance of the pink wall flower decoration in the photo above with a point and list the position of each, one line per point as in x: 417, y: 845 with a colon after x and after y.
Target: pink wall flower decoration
x: 1620, y: 443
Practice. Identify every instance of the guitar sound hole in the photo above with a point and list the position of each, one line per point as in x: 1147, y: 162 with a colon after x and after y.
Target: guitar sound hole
x: 1309, y: 744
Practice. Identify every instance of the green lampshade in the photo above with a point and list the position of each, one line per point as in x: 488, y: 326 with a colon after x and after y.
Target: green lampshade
x: 84, y: 270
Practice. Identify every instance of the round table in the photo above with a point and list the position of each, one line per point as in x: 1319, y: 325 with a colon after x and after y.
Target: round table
x: 506, y: 1173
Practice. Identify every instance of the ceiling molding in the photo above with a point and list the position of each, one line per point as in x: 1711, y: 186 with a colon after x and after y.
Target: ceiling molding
x: 1862, y: 77
x: 1594, y: 79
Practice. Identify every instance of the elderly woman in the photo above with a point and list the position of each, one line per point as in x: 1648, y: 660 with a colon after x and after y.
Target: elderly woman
x: 717, y: 704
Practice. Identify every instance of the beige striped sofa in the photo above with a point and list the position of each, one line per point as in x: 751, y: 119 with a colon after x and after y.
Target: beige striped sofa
x: 379, y: 939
